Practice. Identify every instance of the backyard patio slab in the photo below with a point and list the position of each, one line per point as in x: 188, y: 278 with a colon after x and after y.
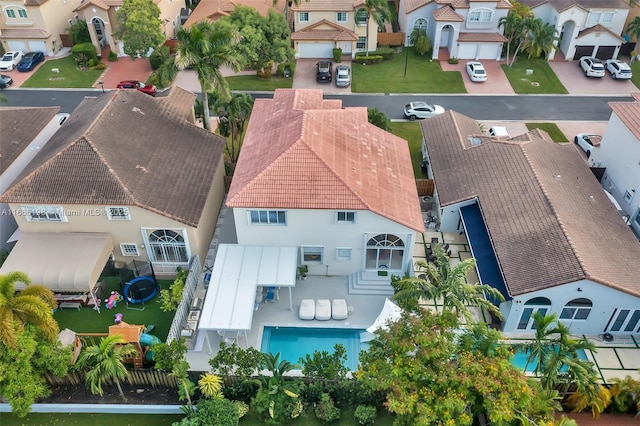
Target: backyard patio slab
x: 630, y: 358
x: 606, y: 358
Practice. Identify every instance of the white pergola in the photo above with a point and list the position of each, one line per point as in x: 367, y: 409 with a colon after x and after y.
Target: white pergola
x: 237, y: 273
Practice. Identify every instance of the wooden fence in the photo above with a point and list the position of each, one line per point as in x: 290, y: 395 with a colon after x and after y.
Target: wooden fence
x: 425, y: 187
x: 391, y: 39
x: 139, y: 377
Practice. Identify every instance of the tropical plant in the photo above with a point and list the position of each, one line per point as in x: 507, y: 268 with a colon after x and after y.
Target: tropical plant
x: 139, y: 27
x: 233, y: 115
x: 186, y: 387
x: 420, y: 41
x: 596, y: 398
x: 326, y: 411
x: 170, y: 298
x: 365, y: 414
x: 542, y: 40
x: 166, y: 355
x: 210, y: 385
x: 511, y: 24
x: 206, y: 48
x: 212, y: 412
x: 625, y: 395
x: 633, y: 28
x: 33, y: 305
x: 379, y: 119
x: 232, y: 360
x: 79, y: 32
x: 278, y: 398
x: 325, y: 365
x: 378, y: 10
x: 105, y: 362
x: 449, y: 285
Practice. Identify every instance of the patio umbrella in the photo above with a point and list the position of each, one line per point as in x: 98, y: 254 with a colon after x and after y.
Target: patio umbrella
x: 390, y: 312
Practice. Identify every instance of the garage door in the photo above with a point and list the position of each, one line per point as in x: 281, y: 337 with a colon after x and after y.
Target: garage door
x: 583, y: 51
x: 316, y: 50
x: 467, y: 51
x: 605, y: 52
x: 17, y: 45
x: 38, y: 46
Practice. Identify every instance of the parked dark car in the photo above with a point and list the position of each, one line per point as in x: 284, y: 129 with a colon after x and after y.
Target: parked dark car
x: 5, y: 81
x: 30, y: 60
x: 325, y: 71
x: 149, y: 89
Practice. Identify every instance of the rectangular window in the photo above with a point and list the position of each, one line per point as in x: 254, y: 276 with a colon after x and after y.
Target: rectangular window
x: 607, y: 18
x: 633, y: 322
x: 524, y: 319
x: 267, y: 217
x: 361, y: 17
x: 44, y: 214
x: 118, y: 213
x: 312, y: 254
x: 628, y: 196
x: 22, y: 13
x: 342, y: 17
x: 617, y: 324
x: 361, y: 43
x: 480, y: 17
x: 346, y: 217
x: 594, y: 18
x: 11, y: 13
x: 343, y: 253
x: 303, y: 17
x: 129, y: 249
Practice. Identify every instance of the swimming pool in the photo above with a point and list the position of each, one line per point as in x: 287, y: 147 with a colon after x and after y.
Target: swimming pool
x: 294, y: 343
x: 519, y: 359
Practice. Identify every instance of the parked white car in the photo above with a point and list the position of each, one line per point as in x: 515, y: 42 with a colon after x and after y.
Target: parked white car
x: 587, y: 141
x: 618, y: 69
x: 10, y: 60
x: 418, y: 109
x: 591, y: 66
x: 476, y: 72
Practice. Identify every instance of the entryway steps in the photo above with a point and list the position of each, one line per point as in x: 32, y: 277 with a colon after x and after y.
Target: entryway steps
x: 369, y: 283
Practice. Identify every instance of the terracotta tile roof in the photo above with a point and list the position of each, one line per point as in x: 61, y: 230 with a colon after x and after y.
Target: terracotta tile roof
x: 562, y: 5
x: 598, y: 29
x: 302, y: 152
x: 102, y: 4
x: 326, y: 5
x: 481, y: 37
x: 636, y: 96
x: 447, y: 14
x: 539, y: 218
x: 504, y: 4
x: 214, y: 9
x: 411, y: 5
x: 126, y: 148
x: 629, y: 114
x: 19, y: 127
x: 34, y: 2
x: 33, y: 33
x: 325, y: 30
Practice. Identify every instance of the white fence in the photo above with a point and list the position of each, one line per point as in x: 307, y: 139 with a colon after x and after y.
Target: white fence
x: 190, y: 284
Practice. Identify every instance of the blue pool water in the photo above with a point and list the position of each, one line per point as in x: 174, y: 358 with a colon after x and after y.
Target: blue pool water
x: 519, y: 360
x: 294, y: 343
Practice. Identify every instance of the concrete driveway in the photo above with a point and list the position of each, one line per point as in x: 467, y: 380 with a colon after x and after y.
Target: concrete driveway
x: 574, y: 80
x: 305, y: 77
x: 497, y: 82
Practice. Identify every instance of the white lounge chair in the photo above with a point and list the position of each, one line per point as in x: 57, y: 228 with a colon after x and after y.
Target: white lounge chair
x: 307, y: 309
x: 323, y: 310
x: 339, y: 310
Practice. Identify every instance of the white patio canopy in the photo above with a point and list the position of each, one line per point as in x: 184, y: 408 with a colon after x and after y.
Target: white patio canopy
x: 237, y: 273
x: 61, y: 261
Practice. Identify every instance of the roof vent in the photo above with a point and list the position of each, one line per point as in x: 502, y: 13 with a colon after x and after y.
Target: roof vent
x: 475, y: 141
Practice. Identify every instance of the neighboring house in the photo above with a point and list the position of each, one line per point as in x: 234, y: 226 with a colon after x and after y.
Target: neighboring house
x: 466, y: 29
x: 319, y: 26
x: 30, y: 25
x: 585, y: 27
x: 212, y: 10
x: 129, y: 175
x: 539, y: 225
x: 102, y: 21
x: 619, y: 154
x: 320, y: 177
x: 24, y: 132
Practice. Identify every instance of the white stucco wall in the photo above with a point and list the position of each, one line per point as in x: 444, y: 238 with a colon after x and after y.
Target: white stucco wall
x: 605, y: 302
x: 320, y: 228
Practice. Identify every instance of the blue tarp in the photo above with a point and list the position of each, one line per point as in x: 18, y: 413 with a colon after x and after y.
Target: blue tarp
x: 481, y: 249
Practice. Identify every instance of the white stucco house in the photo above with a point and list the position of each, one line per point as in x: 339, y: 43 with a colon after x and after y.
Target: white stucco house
x: 585, y: 27
x: 619, y: 154
x: 466, y: 29
x: 539, y: 225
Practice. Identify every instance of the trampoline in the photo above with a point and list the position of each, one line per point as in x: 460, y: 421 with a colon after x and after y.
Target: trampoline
x: 140, y: 289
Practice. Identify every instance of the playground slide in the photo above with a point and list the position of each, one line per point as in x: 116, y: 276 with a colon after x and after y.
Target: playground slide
x: 148, y: 340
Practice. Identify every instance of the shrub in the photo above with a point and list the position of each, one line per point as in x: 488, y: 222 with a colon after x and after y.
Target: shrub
x: 100, y: 66
x: 337, y: 55
x: 241, y: 390
x: 365, y: 414
x: 386, y: 53
x: 290, y: 65
x: 312, y: 392
x: 234, y: 360
x: 93, y: 62
x: 243, y: 408
x: 213, y: 412
x: 326, y: 365
x: 112, y: 57
x: 371, y: 59
x: 326, y: 411
x: 453, y: 61
x: 171, y: 298
x: 83, y: 53
x: 159, y: 57
x: 79, y: 32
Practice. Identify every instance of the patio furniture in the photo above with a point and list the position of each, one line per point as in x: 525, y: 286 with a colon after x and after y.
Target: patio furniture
x: 307, y: 309
x: 272, y: 295
x: 323, y: 310
x: 339, y: 309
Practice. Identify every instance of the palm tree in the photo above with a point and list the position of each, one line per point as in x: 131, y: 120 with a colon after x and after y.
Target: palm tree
x: 34, y: 305
x: 511, y: 24
x: 378, y: 119
x: 441, y: 282
x: 207, y: 47
x: 106, y: 363
x: 542, y: 40
x: 528, y: 26
x: 378, y: 10
x: 233, y: 115
x: 633, y: 29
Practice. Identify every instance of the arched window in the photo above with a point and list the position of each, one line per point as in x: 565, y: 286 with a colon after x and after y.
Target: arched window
x: 577, y: 309
x: 167, y: 246
x: 385, y: 251
x: 536, y: 304
x: 420, y: 24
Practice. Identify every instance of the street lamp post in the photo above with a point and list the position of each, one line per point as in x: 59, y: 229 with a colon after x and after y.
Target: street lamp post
x: 101, y: 85
x: 406, y: 60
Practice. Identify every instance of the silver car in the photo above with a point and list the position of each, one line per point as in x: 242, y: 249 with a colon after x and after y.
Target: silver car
x: 343, y: 76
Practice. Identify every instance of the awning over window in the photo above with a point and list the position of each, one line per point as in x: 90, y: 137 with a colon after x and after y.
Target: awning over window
x: 481, y: 249
x: 60, y: 261
x: 237, y: 273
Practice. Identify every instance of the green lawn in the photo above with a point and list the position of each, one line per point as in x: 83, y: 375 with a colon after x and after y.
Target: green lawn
x: 69, y: 75
x: 543, y: 75
x: 551, y: 128
x: 87, y: 320
x: 253, y: 83
x: 37, y: 419
x: 635, y: 67
x: 413, y: 134
x: 422, y: 76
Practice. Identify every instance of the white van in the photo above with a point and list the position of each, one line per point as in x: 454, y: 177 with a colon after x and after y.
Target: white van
x: 498, y: 131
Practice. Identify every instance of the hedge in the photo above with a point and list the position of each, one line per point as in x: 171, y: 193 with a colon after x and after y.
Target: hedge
x: 86, y: 49
x: 371, y: 59
x: 282, y: 66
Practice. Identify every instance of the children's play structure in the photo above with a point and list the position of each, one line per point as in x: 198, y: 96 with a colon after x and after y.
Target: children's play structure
x: 139, y: 285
